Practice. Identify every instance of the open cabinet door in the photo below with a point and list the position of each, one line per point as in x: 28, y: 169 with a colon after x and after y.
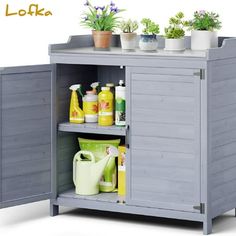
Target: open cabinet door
x: 25, y: 138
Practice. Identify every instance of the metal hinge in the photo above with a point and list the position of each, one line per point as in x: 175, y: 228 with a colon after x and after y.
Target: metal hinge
x: 200, y: 73
x: 200, y: 208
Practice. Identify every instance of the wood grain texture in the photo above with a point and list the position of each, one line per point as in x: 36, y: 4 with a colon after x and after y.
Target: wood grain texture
x: 164, y: 157
x: 223, y: 135
x: 26, y: 134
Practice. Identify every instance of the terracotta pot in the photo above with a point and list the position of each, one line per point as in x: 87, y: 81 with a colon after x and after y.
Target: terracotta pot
x: 102, y: 39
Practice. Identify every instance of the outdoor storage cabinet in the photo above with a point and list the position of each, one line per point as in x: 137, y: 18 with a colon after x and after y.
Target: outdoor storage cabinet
x: 180, y: 134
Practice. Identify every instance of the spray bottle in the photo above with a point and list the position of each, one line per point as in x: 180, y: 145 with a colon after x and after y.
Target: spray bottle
x: 76, y: 113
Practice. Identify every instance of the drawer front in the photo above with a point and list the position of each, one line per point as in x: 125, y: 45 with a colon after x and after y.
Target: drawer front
x: 164, y: 156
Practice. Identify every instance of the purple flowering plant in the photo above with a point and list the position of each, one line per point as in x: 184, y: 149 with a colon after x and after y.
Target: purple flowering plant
x: 205, y: 20
x: 101, y: 18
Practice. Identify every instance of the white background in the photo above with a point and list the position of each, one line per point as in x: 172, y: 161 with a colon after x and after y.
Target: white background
x: 24, y: 41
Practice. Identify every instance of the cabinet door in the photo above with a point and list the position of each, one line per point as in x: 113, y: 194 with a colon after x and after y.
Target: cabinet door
x: 25, y: 139
x: 164, y: 155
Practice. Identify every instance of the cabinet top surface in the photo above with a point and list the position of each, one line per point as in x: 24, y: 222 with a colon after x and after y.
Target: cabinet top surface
x: 81, y: 46
x: 117, y: 51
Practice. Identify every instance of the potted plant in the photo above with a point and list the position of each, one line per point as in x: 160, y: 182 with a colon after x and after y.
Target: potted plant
x: 148, y: 40
x: 128, y: 35
x: 204, y: 26
x: 174, y: 33
x: 103, y: 21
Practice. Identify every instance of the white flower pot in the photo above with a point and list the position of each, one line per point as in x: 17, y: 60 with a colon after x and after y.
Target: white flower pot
x: 202, y: 39
x: 128, y: 41
x: 175, y: 44
x: 148, y: 42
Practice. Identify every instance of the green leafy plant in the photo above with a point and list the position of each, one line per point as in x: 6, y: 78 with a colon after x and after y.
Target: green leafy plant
x: 204, y: 20
x: 175, y: 30
x: 101, y: 18
x: 128, y: 26
x: 150, y: 27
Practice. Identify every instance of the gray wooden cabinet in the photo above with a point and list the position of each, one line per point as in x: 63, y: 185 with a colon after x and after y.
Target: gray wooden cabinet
x: 180, y: 134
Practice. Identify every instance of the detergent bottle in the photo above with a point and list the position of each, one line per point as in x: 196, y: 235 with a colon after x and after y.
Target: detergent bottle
x: 105, y: 107
x: 76, y: 113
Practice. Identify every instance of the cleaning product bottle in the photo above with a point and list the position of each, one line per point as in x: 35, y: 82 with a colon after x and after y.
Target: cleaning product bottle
x: 120, y: 104
x: 105, y: 107
x: 90, y: 107
x: 112, y: 89
x: 76, y: 114
x: 95, y: 87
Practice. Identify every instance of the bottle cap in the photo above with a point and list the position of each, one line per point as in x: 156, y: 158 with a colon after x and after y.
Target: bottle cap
x: 121, y: 82
x: 110, y: 85
x: 91, y: 92
x: 105, y: 89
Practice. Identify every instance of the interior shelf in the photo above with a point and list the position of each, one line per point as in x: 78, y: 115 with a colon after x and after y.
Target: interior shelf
x: 92, y: 128
x: 102, y: 197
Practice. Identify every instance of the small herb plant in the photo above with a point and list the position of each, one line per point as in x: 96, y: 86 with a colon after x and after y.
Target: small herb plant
x: 128, y: 26
x: 204, y: 20
x: 101, y: 18
x: 150, y: 27
x: 175, y: 30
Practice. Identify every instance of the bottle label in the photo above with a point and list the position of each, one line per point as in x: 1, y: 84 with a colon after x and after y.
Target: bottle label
x: 120, y: 104
x: 120, y: 112
x: 106, y: 107
x: 90, y: 108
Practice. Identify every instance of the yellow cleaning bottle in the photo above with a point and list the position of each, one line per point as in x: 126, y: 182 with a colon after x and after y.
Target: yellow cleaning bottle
x: 105, y: 107
x: 76, y: 113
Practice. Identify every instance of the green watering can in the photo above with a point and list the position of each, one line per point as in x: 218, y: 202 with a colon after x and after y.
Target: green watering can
x: 87, y: 173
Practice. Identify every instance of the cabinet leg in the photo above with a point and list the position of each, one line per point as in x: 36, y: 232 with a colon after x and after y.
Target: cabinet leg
x: 54, y: 210
x: 207, y: 226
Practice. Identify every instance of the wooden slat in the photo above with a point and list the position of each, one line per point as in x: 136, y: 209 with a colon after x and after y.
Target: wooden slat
x: 223, y: 138
x: 162, y: 159
x: 162, y: 116
x: 26, y: 167
x: 162, y: 102
x: 26, y: 113
x: 21, y: 141
x: 23, y: 83
x: 224, y: 112
x: 163, y: 88
x: 224, y: 125
x: 21, y: 127
x: 16, y: 155
x: 27, y: 99
x: 154, y: 78
x: 163, y: 130
x: 26, y: 185
x: 223, y: 72
x: 162, y: 144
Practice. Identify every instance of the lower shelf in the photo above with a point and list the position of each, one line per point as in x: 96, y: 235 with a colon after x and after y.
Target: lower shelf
x: 108, y: 202
x: 101, y: 197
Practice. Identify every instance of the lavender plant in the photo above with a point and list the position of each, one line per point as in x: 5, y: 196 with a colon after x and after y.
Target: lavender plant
x: 101, y: 18
x: 204, y: 20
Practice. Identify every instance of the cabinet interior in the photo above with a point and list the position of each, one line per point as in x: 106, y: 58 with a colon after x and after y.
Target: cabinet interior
x: 67, y: 140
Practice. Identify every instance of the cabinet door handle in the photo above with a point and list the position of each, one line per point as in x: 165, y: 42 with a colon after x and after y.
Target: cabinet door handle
x: 127, y: 136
